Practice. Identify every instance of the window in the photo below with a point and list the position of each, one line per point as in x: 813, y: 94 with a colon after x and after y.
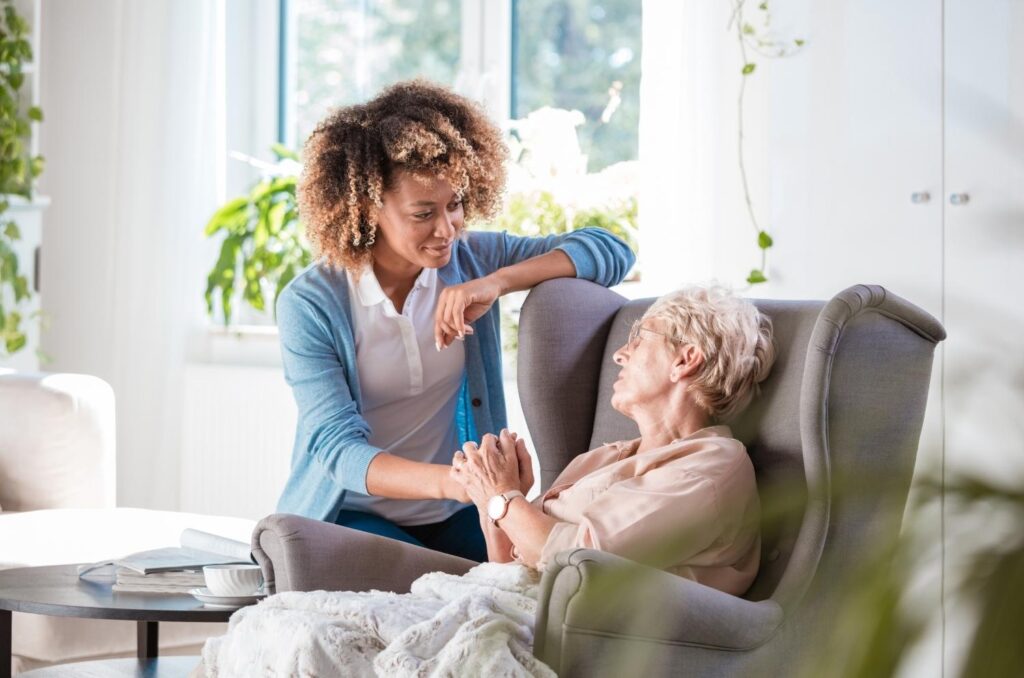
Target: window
x: 344, y: 51
x: 517, y: 56
x: 582, y: 55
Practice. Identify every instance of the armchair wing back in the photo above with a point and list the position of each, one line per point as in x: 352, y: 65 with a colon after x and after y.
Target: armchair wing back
x: 841, y: 412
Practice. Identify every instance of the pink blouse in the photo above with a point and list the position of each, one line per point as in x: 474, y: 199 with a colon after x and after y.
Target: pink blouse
x: 689, y: 507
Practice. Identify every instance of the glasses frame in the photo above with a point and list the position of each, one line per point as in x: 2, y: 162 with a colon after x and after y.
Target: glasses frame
x: 633, y: 338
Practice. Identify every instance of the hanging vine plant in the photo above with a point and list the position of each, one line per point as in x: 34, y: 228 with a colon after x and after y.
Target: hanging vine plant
x: 18, y: 170
x: 755, y: 40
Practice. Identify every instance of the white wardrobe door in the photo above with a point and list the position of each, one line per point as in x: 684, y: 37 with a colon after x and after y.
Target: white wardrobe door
x: 984, y: 255
x: 984, y: 230
x: 856, y: 133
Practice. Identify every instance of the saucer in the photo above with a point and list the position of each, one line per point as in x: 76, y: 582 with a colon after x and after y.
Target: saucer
x: 206, y: 596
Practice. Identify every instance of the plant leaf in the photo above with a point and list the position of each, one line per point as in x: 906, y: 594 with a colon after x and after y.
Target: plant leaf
x: 21, y: 289
x: 226, y: 215
x: 749, y: 68
x: 282, y: 152
x: 15, y: 342
x: 756, y: 276
x: 764, y: 241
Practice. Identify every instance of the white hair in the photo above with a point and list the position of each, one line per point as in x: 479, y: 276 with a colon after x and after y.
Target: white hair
x: 732, y: 335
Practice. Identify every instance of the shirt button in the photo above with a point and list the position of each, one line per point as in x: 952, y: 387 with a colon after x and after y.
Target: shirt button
x: 477, y: 402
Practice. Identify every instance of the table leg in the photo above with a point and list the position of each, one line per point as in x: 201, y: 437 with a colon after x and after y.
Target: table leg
x: 148, y: 639
x: 6, y: 657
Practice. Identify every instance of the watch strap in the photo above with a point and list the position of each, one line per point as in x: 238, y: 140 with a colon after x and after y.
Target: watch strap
x: 508, y: 497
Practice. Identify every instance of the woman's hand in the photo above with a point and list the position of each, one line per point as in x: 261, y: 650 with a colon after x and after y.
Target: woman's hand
x: 460, y: 305
x: 453, y: 489
x: 488, y: 469
x: 525, y: 465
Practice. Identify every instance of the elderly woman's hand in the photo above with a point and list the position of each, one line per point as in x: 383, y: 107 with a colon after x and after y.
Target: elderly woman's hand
x: 490, y: 468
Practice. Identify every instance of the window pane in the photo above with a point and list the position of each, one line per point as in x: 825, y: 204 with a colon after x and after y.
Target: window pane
x: 347, y: 50
x: 584, y: 55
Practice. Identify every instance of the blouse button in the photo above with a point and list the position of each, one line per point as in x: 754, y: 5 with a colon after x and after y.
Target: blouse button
x: 477, y: 402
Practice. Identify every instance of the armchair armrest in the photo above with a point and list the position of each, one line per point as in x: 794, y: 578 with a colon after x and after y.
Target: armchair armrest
x: 597, y: 593
x: 302, y: 554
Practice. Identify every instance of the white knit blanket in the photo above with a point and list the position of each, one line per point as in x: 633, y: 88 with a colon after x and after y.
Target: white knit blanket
x: 479, y: 624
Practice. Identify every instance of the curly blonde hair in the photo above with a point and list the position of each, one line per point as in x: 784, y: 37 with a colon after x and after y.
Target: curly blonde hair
x: 732, y: 335
x: 352, y: 157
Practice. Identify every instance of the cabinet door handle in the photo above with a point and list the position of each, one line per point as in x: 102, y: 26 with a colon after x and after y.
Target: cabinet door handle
x: 920, y: 197
x: 959, y: 198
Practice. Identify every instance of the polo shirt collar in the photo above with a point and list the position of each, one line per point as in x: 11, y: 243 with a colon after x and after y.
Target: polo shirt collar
x: 368, y: 290
x: 370, y: 293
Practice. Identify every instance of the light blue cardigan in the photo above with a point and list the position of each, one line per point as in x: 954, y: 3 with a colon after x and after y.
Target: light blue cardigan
x: 331, y: 452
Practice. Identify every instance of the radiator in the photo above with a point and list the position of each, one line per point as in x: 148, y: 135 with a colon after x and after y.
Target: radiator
x: 237, y: 434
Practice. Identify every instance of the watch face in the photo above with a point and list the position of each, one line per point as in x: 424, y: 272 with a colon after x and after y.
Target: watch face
x: 496, y: 507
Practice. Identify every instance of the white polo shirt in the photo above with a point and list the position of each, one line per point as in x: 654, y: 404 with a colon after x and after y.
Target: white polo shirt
x: 410, y: 391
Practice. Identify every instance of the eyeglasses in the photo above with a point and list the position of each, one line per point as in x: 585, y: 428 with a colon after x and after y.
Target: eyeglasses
x: 637, y: 328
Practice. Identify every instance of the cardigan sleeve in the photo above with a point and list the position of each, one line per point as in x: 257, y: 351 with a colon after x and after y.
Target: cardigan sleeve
x: 596, y: 254
x: 334, y: 432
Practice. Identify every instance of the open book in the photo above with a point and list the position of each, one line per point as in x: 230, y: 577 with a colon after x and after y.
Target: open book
x: 197, y: 549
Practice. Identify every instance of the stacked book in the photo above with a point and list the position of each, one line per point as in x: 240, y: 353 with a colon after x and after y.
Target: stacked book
x: 174, y: 569
x: 173, y: 581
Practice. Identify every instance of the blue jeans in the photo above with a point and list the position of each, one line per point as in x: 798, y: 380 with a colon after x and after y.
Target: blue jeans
x: 459, y: 535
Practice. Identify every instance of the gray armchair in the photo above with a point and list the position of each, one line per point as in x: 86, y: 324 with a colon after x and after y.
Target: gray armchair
x: 845, y: 402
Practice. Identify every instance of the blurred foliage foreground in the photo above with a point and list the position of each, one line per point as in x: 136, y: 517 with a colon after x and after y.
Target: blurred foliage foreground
x: 549, y: 191
x: 878, y: 607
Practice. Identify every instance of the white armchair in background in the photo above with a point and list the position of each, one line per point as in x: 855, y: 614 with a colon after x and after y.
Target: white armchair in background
x: 58, y: 505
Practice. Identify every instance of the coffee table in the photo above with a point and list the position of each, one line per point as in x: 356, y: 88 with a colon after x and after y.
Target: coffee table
x: 56, y: 590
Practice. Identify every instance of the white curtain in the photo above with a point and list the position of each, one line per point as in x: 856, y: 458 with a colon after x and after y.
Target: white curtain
x: 693, y: 225
x: 134, y: 141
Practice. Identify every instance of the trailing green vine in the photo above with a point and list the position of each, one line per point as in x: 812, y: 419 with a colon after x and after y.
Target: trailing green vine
x: 18, y: 171
x: 759, y: 41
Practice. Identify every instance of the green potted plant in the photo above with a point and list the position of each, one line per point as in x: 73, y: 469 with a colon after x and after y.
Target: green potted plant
x: 18, y: 171
x: 263, y: 246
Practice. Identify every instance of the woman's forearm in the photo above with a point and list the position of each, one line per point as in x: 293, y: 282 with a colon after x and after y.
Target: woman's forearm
x: 528, y: 528
x: 499, y: 546
x: 397, y: 478
x: 526, y: 274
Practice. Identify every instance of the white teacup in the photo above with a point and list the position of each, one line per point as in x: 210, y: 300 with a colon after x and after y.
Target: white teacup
x: 233, y: 580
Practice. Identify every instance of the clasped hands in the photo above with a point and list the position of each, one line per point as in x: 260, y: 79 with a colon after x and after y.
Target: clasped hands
x: 498, y: 464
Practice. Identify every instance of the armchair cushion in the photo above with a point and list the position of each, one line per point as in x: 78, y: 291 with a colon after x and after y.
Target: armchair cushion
x: 56, y: 441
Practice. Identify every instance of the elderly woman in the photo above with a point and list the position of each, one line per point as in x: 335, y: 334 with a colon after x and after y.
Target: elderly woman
x: 681, y: 497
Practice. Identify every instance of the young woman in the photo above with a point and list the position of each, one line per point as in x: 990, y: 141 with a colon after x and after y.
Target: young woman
x: 391, y: 338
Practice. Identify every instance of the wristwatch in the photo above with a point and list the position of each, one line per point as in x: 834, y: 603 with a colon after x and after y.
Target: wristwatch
x: 497, y: 506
